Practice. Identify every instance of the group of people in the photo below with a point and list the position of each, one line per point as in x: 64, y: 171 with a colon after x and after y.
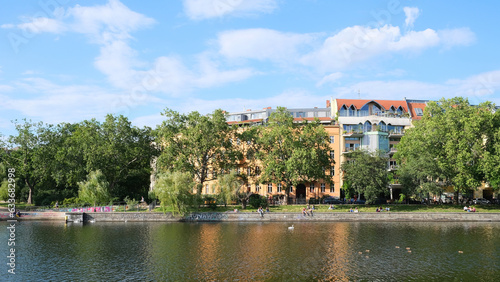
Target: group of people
x: 469, y: 209
x: 260, y: 210
x: 354, y: 210
x: 379, y: 209
x: 308, y: 210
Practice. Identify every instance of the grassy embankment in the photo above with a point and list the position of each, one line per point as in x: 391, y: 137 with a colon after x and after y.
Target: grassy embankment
x: 319, y: 208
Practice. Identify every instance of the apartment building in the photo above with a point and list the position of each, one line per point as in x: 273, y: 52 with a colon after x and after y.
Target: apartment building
x: 351, y: 124
x: 375, y: 125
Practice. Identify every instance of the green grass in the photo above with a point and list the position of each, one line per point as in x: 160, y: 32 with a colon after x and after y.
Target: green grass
x: 319, y: 208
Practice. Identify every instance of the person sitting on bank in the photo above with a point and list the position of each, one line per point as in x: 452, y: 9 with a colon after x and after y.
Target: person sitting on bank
x: 351, y: 210
x: 331, y: 207
x: 466, y: 208
x: 304, y: 212
x: 311, y: 211
x: 261, y: 211
x: 356, y: 209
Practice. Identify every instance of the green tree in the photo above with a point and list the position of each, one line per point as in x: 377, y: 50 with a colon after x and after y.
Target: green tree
x: 118, y: 149
x: 449, y: 142
x: 174, y: 189
x: 95, y: 189
x: 196, y: 143
x: 30, y: 153
x: 491, y: 160
x: 230, y: 185
x: 290, y: 152
x: 367, y: 173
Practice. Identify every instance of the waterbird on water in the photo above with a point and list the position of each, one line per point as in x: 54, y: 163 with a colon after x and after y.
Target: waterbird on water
x: 290, y: 227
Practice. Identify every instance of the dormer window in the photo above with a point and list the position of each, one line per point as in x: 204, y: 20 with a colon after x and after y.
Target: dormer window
x: 419, y: 112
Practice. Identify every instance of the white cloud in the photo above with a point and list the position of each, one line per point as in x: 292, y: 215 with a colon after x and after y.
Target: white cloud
x: 55, y: 103
x: 330, y: 78
x: 262, y: 44
x: 206, y: 9
x: 478, y: 88
x: 42, y: 24
x: 412, y: 14
x: 458, y: 36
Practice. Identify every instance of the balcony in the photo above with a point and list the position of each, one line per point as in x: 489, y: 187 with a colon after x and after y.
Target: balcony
x: 349, y: 149
x: 393, y: 167
x: 396, y: 133
x: 393, y: 150
x: 353, y: 133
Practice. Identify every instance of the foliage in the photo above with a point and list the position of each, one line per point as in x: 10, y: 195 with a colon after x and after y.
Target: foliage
x: 367, y: 173
x: 448, y: 145
x: 131, y: 202
x: 174, y: 189
x: 118, y: 149
x: 70, y: 201
x: 257, y: 201
x: 292, y: 153
x: 30, y: 154
x: 229, y: 186
x: 95, y: 189
x: 195, y: 143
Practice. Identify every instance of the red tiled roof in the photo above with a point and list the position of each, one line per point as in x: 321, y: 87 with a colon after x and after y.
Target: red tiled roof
x: 359, y: 103
x: 312, y: 118
x: 412, y: 107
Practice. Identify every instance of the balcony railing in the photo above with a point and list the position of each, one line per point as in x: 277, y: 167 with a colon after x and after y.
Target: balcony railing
x: 350, y: 149
x: 367, y: 113
x: 393, y: 167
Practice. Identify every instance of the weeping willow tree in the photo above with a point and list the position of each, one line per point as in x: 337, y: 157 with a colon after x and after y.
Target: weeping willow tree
x: 174, y: 189
x: 229, y: 186
x: 95, y: 189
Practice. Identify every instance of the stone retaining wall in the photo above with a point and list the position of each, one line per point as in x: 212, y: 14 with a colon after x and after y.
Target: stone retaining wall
x: 329, y: 216
x: 255, y: 217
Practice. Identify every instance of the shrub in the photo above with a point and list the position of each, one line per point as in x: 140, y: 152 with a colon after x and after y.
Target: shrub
x: 257, y: 201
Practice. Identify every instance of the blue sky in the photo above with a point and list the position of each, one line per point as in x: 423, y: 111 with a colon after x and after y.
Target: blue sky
x: 66, y: 62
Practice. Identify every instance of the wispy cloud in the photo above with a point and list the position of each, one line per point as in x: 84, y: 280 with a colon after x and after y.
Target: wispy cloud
x: 206, y: 9
x: 412, y: 14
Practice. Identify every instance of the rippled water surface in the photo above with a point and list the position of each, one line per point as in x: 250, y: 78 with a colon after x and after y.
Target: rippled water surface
x: 49, y: 251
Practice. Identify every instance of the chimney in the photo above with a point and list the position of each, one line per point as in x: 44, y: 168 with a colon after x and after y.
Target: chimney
x: 328, y: 103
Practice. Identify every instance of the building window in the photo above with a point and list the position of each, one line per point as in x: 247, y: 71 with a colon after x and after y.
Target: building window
x: 332, y: 139
x: 214, y: 173
x: 332, y: 171
x: 279, y: 188
x: 322, y: 187
x: 257, y: 170
x: 419, y: 112
x: 257, y: 188
x: 206, y: 189
x: 269, y: 188
x: 238, y: 170
x: 332, y: 155
x: 311, y: 188
x: 249, y: 188
x: 291, y: 189
x: 249, y: 171
x: 332, y: 187
x: 238, y: 141
x: 213, y: 189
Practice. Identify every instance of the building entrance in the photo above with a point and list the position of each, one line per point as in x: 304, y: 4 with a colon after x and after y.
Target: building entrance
x: 300, y: 193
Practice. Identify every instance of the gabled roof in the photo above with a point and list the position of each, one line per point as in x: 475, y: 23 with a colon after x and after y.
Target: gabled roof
x: 412, y: 106
x: 359, y: 103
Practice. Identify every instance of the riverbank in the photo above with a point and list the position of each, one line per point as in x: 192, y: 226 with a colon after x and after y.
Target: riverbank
x: 256, y: 217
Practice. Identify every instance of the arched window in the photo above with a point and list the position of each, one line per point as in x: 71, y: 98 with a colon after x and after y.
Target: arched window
x: 352, y: 111
x: 343, y: 111
x: 382, y: 126
x: 400, y: 110
x: 376, y: 110
x: 367, y: 126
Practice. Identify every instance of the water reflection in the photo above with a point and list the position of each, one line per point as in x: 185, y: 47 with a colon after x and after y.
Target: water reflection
x: 256, y: 251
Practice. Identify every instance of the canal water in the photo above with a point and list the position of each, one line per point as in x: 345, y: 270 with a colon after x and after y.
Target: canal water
x: 312, y: 251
